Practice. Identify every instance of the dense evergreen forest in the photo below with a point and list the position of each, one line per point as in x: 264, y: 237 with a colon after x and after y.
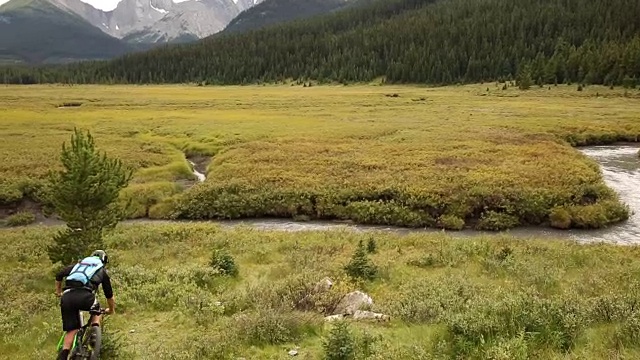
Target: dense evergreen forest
x: 271, y: 12
x: 404, y: 41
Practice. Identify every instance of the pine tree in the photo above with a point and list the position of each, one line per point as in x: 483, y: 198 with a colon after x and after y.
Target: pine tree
x: 372, y: 247
x: 628, y: 82
x: 524, y: 78
x: 360, y: 267
x: 340, y: 344
x: 85, y: 195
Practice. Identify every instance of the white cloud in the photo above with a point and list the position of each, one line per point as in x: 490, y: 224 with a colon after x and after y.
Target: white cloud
x: 105, y: 5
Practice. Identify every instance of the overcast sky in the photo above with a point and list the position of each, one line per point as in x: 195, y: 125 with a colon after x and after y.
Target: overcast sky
x: 106, y: 5
x: 98, y: 4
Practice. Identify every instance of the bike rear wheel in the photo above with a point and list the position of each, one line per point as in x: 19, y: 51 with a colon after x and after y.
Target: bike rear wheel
x: 94, y: 342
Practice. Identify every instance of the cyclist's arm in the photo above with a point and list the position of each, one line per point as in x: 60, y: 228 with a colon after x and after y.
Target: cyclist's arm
x: 60, y: 275
x: 108, y: 292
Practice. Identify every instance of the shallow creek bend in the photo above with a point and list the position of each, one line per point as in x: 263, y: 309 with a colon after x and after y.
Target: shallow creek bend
x: 620, y: 167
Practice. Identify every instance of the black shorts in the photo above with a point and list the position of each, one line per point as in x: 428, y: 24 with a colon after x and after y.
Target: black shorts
x: 72, y: 302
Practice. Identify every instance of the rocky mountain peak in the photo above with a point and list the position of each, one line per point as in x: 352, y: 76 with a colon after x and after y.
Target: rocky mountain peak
x: 150, y: 21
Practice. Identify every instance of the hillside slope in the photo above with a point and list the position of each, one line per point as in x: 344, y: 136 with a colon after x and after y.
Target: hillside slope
x: 36, y: 31
x: 408, y: 41
x: 93, y: 16
x: 278, y: 11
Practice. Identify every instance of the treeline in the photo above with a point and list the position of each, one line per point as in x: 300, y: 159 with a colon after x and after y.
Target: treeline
x: 404, y: 41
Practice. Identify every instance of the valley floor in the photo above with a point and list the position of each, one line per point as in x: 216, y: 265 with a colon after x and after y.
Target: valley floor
x: 472, y: 156
x: 475, y: 156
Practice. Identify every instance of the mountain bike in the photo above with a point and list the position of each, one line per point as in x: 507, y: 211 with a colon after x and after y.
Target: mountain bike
x: 87, y: 341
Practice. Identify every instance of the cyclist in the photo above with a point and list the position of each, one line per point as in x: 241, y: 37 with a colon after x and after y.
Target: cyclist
x: 81, y: 283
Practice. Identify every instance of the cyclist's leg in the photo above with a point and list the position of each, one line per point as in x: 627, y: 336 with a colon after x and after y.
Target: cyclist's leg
x: 71, y: 321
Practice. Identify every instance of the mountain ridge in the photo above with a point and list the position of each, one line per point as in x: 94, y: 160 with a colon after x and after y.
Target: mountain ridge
x: 136, y: 25
x: 159, y: 21
x: 195, y: 19
x: 52, y: 34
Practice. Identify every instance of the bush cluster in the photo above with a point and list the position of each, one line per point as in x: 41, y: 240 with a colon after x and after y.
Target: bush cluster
x: 21, y: 218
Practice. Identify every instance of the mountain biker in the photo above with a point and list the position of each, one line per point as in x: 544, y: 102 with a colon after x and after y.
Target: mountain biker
x: 81, y: 283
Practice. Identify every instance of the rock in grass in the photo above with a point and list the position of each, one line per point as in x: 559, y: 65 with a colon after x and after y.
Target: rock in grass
x: 370, y: 315
x: 324, y: 285
x: 334, y: 317
x: 352, y: 302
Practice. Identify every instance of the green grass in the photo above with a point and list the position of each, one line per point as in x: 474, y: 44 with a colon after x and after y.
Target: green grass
x: 439, y: 157
x: 21, y: 218
x: 481, y: 298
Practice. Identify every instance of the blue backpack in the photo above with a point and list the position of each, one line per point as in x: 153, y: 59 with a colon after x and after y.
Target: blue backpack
x: 85, y: 269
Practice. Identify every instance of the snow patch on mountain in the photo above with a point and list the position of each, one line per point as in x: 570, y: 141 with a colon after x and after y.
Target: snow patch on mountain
x: 161, y: 11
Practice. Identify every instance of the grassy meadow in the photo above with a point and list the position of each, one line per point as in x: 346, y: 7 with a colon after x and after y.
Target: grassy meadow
x: 451, y: 157
x: 482, y: 298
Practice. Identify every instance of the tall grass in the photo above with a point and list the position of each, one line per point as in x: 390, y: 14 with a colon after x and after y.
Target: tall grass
x: 481, y: 298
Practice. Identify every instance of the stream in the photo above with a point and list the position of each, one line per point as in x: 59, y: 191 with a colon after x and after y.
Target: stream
x: 620, y: 167
x: 201, y: 177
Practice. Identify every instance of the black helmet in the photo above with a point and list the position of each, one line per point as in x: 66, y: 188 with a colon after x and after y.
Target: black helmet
x: 102, y: 255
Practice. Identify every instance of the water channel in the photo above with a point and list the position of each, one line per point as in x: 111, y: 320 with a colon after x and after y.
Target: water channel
x: 620, y: 167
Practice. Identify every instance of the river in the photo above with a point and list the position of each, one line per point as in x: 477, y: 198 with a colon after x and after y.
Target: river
x: 620, y: 167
